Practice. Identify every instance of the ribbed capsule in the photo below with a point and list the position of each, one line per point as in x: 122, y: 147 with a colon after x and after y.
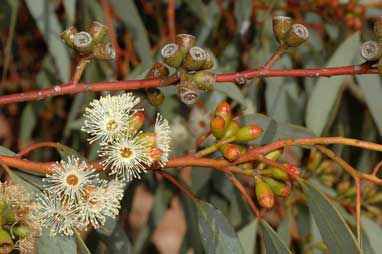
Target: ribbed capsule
x: 210, y: 62
x: 154, y: 96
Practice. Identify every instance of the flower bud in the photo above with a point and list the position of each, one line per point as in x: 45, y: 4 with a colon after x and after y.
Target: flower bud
x: 293, y: 171
x: 218, y: 126
x: 224, y: 110
x: 232, y: 128
x: 97, y: 30
x: 194, y: 59
x: 249, y: 132
x: 185, y: 42
x: 378, y: 27
x: 154, y: 96
x: 274, y: 155
x: 314, y: 160
x: 172, y: 55
x: 149, y: 137
x: 370, y: 51
x: 104, y: 51
x: 327, y: 180
x: 210, y: 62
x: 6, y: 243
x: 158, y: 70
x: 342, y: 187
x: 188, y: 91
x: 275, y: 173
x: 68, y: 35
x: 21, y: 231
x: 9, y: 215
x: 83, y: 42
x: 281, y: 26
x: 264, y: 194
x: 296, y: 35
x: 205, y: 80
x: 230, y: 151
x: 135, y: 123
x: 279, y: 188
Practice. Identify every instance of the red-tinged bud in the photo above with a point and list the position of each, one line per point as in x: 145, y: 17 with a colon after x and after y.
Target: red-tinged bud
x: 264, y: 194
x: 279, y: 188
x: 274, y: 155
x: 194, y: 59
x: 6, y: 243
x: 155, y: 153
x: 68, y: 34
x: 172, y: 55
x: 135, y: 123
x: 97, y: 30
x: 293, y: 171
x: 218, y: 126
x: 232, y: 128
x: 223, y: 110
x: 275, y: 173
x: 149, y: 137
x: 185, y: 41
x: 230, y: 151
x: 249, y: 132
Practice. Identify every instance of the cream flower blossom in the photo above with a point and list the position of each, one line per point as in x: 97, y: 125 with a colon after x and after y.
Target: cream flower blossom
x: 102, y: 202
x: 163, y: 132
x: 127, y: 157
x: 107, y: 118
x: 58, y: 217
x: 70, y: 178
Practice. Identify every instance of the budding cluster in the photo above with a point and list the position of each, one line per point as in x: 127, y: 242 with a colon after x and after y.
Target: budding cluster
x: 372, y: 50
x: 20, y: 219
x: 89, y: 42
x: 224, y: 128
x: 326, y: 171
x: 192, y: 64
x: 288, y: 33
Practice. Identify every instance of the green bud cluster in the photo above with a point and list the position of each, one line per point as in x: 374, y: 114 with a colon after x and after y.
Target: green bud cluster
x: 192, y: 64
x: 89, y: 42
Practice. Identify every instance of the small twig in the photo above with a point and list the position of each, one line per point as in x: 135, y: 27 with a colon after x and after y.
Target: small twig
x: 214, y: 147
x: 84, y: 60
x: 171, y: 19
x: 177, y: 184
x: 201, y: 140
x: 358, y: 208
x: 377, y: 168
x: 276, y: 56
x: 33, y: 147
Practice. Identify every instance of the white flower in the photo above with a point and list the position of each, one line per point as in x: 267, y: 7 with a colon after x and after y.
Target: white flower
x: 107, y: 118
x: 70, y: 179
x: 103, y: 202
x: 59, y: 217
x: 162, y: 131
x: 127, y: 157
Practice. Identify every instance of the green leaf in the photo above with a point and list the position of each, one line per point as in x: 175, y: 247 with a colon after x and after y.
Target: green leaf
x: 28, y: 122
x: 242, y: 12
x: 333, y: 228
x: 373, y: 233
x: 274, y: 130
x: 232, y: 91
x: 247, y: 237
x: 6, y: 151
x: 218, y: 236
x: 81, y: 244
x: 46, y: 19
x: 372, y: 90
x: 56, y: 244
x: 273, y: 244
x: 324, y: 99
x: 283, y: 230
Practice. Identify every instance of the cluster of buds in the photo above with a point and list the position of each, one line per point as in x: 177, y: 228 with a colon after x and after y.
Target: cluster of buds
x: 287, y: 33
x: 89, y: 42
x: 20, y: 223
x: 326, y: 171
x: 271, y: 181
x: 192, y: 64
x: 372, y: 50
x: 227, y: 131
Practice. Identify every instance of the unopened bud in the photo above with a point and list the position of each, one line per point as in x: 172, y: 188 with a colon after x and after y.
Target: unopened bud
x: 296, y: 35
x: 264, y: 194
x: 6, y: 243
x: 104, y: 52
x: 327, y: 180
x: 21, y: 230
x: 230, y: 151
x: 249, y: 132
x: 224, y: 110
x: 97, y: 30
x: 232, y: 128
x: 135, y: 123
x: 150, y: 138
x: 342, y: 187
x: 293, y: 171
x: 172, y: 55
x: 378, y: 27
x: 154, y: 96
x: 158, y: 70
x: 205, y: 80
x: 275, y: 173
x: 279, y: 188
x: 314, y: 160
x: 281, y: 26
x: 83, y: 42
x: 371, y: 51
x: 185, y: 42
x: 274, y: 155
x: 218, y: 126
x: 188, y: 91
x: 194, y: 59
x: 68, y: 35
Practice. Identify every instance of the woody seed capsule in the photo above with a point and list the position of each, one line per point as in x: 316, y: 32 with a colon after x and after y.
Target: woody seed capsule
x: 188, y: 91
x: 194, y: 59
x: 185, y: 42
x: 83, y: 42
x: 154, y: 96
x: 371, y: 51
x: 172, y: 55
x: 97, y: 30
x: 205, y: 80
x: 281, y: 26
x: 104, y: 52
x: 157, y: 70
x: 296, y: 35
x: 68, y: 34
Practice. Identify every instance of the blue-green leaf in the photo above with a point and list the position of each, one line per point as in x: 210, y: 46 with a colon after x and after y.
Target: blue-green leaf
x: 273, y: 243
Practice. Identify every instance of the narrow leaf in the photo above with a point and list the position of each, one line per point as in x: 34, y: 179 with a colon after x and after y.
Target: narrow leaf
x: 247, y: 237
x: 273, y: 243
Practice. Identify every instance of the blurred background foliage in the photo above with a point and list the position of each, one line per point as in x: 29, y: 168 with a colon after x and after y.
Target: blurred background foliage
x: 156, y: 217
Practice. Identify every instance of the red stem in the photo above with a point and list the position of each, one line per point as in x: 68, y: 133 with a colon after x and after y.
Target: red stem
x: 171, y: 19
